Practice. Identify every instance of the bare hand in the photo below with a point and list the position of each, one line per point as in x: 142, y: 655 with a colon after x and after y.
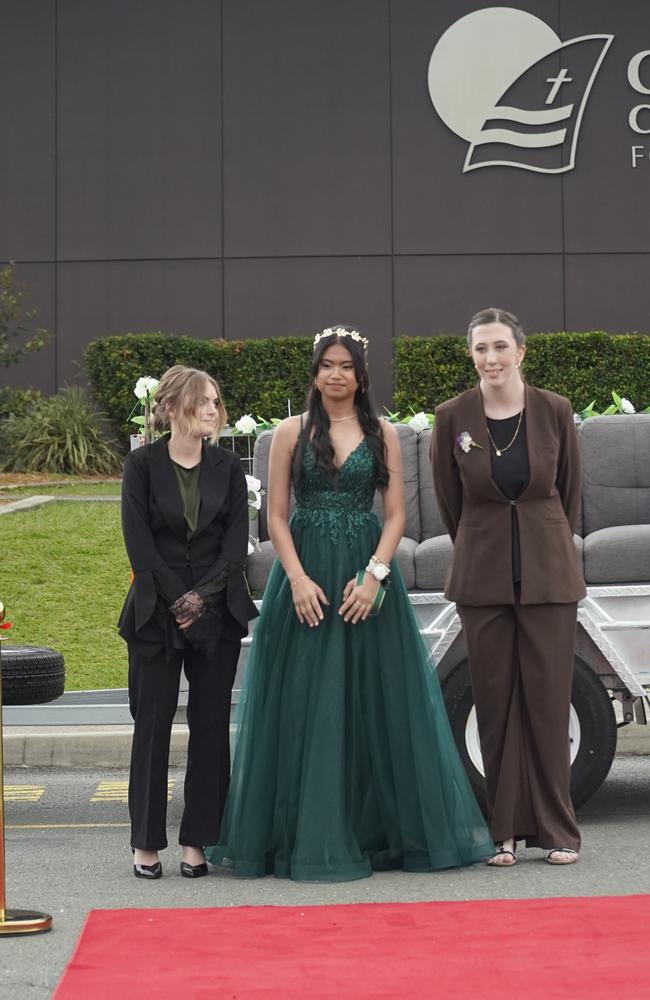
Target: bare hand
x: 357, y: 601
x: 307, y: 600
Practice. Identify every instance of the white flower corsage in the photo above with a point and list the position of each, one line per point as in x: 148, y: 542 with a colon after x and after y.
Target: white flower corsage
x: 465, y: 441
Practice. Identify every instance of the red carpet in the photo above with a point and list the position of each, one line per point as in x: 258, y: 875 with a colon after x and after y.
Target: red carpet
x: 486, y: 950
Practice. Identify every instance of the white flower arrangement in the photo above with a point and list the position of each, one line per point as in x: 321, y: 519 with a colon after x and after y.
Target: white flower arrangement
x: 419, y: 422
x: 621, y: 404
x: 144, y: 391
x: 246, y: 424
x: 255, y: 494
x: 145, y: 387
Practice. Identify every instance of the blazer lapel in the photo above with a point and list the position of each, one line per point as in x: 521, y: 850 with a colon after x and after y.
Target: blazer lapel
x: 165, y: 486
x: 213, y: 486
x: 479, y: 431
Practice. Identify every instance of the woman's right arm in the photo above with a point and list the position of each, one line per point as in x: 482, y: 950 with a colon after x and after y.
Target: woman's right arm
x: 306, y: 594
x: 138, y: 537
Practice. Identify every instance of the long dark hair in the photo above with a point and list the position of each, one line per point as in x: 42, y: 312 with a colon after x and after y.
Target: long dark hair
x: 317, y: 425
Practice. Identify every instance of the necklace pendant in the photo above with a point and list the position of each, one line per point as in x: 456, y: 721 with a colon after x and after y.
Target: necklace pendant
x: 498, y: 453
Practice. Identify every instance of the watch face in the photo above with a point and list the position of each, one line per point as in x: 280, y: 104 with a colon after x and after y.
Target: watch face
x: 380, y: 572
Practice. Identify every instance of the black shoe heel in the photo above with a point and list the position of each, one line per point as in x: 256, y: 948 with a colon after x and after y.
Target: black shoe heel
x: 148, y: 871
x: 193, y: 871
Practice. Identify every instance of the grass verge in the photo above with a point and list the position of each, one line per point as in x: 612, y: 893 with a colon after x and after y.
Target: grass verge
x: 64, y: 574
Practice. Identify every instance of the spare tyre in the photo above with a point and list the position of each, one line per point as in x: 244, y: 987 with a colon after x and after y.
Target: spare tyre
x: 31, y: 675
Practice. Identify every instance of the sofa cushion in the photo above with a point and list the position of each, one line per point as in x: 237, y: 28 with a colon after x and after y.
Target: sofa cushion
x: 432, y: 560
x: 408, y: 440
x: 620, y: 554
x: 258, y: 567
x: 615, y: 471
x: 430, y: 521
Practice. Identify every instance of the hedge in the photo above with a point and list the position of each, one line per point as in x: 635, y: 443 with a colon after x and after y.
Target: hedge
x: 258, y: 376
x: 255, y: 376
x: 584, y: 367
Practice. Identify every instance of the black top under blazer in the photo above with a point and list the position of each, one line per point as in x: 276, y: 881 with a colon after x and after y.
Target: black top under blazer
x: 478, y: 516
x: 165, y: 564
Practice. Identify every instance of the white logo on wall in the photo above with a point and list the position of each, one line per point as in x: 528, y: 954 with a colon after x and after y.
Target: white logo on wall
x: 501, y: 79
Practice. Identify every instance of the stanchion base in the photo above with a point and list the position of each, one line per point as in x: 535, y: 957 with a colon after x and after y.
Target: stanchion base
x: 25, y: 922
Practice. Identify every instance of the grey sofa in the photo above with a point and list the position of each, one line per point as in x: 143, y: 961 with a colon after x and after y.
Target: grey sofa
x: 616, y: 498
x: 613, y: 543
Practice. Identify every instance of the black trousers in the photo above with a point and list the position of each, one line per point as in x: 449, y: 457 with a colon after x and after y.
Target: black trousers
x: 521, y: 660
x: 153, y: 697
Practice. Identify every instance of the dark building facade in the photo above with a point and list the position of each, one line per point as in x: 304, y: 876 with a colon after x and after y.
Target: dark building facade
x: 254, y: 168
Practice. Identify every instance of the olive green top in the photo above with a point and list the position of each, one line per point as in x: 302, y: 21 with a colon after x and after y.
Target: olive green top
x: 188, y: 483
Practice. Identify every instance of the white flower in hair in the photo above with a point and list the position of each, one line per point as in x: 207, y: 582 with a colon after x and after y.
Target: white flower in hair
x: 246, y: 424
x: 340, y: 331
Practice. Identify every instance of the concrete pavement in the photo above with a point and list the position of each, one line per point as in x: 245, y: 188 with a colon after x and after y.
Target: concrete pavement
x: 67, y: 853
x: 110, y: 746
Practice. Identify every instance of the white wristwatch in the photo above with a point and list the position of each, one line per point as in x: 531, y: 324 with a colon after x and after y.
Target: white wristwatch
x: 377, y: 568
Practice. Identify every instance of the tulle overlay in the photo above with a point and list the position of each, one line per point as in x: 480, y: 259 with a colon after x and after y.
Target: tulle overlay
x: 345, y: 761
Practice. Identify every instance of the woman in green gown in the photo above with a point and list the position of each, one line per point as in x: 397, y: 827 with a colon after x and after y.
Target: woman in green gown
x: 345, y: 761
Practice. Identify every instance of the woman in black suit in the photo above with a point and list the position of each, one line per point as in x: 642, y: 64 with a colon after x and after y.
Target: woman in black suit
x: 185, y: 525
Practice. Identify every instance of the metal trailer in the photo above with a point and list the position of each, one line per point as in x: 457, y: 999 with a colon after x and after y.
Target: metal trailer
x: 612, y: 670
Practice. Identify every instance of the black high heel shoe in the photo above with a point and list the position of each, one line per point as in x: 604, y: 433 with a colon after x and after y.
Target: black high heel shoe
x: 148, y: 871
x: 193, y: 871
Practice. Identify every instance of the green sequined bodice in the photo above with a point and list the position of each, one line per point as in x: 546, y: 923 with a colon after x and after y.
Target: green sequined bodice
x: 345, y: 504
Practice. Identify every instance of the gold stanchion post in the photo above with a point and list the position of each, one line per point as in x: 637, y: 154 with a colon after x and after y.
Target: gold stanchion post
x: 13, y: 922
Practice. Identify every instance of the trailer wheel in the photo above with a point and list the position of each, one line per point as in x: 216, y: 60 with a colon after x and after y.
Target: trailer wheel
x: 592, y: 731
x: 31, y: 675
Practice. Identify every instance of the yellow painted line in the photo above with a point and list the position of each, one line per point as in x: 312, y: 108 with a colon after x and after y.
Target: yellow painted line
x: 61, y: 826
x: 23, y: 793
x: 118, y: 791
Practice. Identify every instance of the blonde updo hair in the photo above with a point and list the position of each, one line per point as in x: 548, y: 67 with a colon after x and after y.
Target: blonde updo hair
x: 181, y: 390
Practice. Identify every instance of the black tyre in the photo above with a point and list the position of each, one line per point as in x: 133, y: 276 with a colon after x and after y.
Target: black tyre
x: 31, y: 675
x: 592, y: 731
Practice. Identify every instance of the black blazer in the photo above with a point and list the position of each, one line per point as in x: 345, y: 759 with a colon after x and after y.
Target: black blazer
x: 165, y: 565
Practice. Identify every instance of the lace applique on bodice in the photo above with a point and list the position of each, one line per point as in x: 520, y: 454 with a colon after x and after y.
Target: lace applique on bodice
x: 344, y: 504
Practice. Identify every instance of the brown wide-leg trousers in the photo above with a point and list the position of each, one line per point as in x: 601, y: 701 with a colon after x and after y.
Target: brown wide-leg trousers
x: 521, y: 662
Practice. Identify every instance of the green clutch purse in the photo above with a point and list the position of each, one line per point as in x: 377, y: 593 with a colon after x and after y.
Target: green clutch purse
x: 379, y: 596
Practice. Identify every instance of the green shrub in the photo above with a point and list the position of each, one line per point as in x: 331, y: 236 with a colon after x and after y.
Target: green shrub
x: 258, y: 376
x: 16, y: 402
x: 59, y: 434
x: 255, y: 376
x: 582, y: 366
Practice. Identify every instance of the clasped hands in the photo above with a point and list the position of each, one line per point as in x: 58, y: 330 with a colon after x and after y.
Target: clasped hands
x: 308, y: 599
x: 187, y: 609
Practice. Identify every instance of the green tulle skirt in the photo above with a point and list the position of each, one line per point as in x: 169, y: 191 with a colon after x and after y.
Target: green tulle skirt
x: 345, y: 761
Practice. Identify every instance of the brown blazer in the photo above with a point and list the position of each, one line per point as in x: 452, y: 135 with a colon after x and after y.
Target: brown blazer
x: 478, y: 516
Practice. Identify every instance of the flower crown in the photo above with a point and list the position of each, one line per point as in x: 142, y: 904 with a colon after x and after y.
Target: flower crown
x: 340, y: 331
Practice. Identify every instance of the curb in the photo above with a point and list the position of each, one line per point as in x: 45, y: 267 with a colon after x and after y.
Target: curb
x: 110, y: 746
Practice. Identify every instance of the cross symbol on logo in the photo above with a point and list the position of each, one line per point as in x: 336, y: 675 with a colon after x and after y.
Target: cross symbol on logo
x: 557, y: 82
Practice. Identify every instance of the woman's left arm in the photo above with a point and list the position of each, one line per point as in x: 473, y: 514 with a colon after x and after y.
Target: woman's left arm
x: 357, y: 601
x: 569, y: 477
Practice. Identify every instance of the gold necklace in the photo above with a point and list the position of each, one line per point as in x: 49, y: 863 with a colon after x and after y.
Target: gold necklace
x: 500, y: 451
x: 335, y: 420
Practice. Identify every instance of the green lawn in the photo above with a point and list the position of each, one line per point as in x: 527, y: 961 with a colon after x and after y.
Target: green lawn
x: 63, y: 577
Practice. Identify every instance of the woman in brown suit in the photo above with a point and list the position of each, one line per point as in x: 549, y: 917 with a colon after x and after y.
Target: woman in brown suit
x: 506, y: 471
